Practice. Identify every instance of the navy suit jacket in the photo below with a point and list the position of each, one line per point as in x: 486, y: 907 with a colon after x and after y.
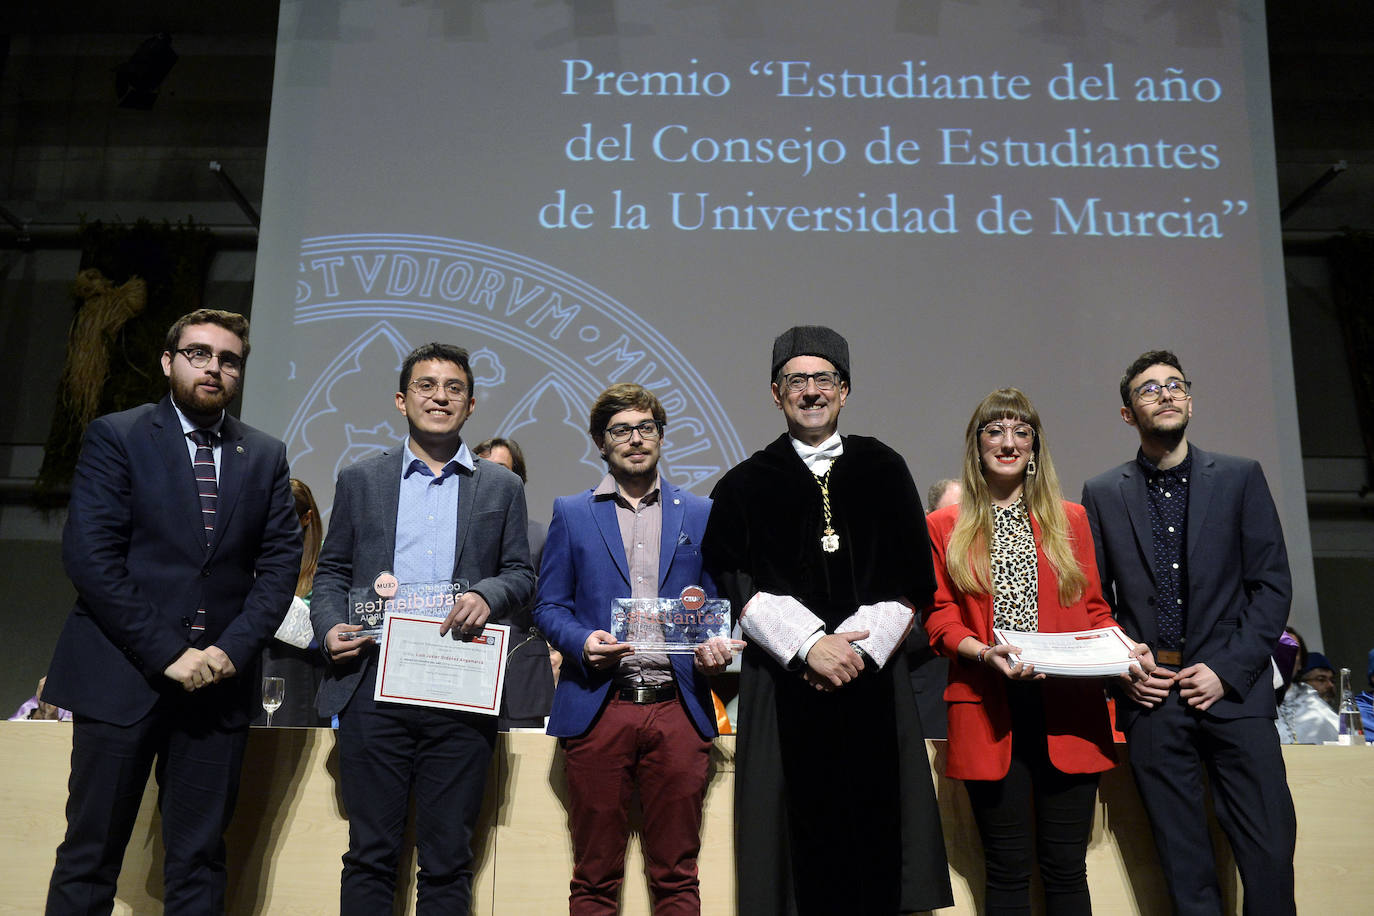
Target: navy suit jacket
x: 1239, y: 589
x: 491, y: 551
x: 134, y: 547
x: 584, y: 569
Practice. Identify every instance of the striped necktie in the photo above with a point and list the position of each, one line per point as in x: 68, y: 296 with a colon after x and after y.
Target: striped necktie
x: 204, y: 465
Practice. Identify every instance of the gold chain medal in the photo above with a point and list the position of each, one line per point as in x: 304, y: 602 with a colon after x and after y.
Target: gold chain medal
x: 830, y: 541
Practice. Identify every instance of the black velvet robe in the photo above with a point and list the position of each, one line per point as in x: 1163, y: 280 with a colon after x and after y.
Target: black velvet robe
x: 835, y: 812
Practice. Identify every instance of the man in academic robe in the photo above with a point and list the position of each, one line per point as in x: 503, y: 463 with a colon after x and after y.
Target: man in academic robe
x: 820, y: 543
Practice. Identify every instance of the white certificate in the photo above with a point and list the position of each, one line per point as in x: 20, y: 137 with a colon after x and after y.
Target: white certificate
x: 1085, y: 653
x: 416, y: 665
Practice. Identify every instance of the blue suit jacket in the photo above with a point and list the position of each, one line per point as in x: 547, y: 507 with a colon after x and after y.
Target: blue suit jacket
x: 584, y: 569
x: 1239, y: 589
x: 491, y: 552
x: 134, y: 547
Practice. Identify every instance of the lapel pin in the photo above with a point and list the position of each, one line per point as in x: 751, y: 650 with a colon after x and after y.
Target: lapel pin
x: 239, y: 449
x: 677, y: 502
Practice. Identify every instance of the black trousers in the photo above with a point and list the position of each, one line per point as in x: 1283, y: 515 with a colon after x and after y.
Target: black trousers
x: 1034, y: 813
x: 386, y: 750
x: 1170, y: 746
x: 198, y: 765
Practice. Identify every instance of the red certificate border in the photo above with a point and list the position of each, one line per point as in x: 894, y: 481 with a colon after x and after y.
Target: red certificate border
x: 499, y: 632
x: 1098, y: 632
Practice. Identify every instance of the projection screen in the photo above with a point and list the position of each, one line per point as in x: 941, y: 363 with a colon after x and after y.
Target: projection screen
x: 975, y: 194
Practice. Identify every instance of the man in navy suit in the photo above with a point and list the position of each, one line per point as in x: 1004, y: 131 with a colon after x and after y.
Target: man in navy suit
x: 627, y: 719
x: 1193, y: 563
x: 425, y: 511
x: 183, y: 544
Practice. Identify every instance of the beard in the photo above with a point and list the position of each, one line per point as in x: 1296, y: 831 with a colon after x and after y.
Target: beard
x: 195, y: 401
x: 1169, y: 436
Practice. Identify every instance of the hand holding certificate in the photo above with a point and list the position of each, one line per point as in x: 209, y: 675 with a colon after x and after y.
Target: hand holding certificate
x: 1084, y: 653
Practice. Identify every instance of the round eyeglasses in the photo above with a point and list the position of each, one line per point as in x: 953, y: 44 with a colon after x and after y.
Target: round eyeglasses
x: 996, y: 432
x: 199, y: 358
x: 1177, y: 388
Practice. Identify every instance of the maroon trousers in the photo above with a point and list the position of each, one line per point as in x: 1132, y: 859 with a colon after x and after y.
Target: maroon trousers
x: 656, y: 748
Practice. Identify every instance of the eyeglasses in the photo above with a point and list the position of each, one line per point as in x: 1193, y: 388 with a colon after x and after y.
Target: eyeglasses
x: 199, y: 358
x: 825, y: 381
x: 427, y: 387
x: 1150, y: 392
x: 647, y: 429
x: 1020, y: 434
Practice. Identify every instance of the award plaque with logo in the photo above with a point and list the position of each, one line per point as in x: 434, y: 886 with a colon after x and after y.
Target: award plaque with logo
x: 670, y: 625
x: 369, y: 605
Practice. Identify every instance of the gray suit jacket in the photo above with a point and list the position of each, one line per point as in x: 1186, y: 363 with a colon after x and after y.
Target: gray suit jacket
x: 491, y: 552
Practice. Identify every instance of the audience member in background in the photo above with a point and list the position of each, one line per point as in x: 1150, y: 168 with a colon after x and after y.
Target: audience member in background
x: 1303, y: 716
x: 1288, y: 657
x: 530, y: 671
x: 34, y: 708
x: 293, y: 654
x: 1365, y: 701
x: 943, y: 493
x: 929, y: 669
x: 1321, y: 677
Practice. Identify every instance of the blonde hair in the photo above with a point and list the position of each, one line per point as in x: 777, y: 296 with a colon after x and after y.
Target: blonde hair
x: 313, y: 535
x: 968, y: 562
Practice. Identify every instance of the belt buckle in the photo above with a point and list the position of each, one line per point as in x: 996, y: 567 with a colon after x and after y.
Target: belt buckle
x: 643, y: 696
x: 1169, y: 657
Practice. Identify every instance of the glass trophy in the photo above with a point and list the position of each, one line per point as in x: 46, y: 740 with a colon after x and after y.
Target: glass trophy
x: 669, y: 625
x: 369, y: 605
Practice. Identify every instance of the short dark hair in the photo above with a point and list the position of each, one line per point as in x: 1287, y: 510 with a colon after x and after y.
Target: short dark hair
x: 232, y: 322
x: 447, y: 353
x: 1142, y: 362
x: 937, y: 491
x: 517, y: 457
x: 623, y: 396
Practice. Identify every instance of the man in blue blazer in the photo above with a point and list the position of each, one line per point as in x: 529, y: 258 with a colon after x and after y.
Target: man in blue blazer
x: 424, y: 511
x: 183, y: 544
x: 1193, y: 563
x: 628, y: 719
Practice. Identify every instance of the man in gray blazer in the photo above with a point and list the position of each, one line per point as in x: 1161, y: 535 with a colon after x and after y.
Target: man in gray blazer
x: 424, y: 511
x: 1193, y: 563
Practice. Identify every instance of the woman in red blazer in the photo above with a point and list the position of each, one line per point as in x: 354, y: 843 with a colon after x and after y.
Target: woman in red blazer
x: 1015, y: 555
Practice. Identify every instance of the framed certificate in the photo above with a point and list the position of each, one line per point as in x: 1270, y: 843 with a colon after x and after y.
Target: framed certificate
x: 417, y: 666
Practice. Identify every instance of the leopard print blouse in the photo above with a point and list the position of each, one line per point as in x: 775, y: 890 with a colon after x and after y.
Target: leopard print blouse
x: 1014, y: 580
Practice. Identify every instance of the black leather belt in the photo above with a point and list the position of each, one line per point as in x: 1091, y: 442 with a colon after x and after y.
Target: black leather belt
x: 643, y: 696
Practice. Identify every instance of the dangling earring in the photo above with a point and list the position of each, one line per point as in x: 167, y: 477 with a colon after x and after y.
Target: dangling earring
x: 1030, y: 467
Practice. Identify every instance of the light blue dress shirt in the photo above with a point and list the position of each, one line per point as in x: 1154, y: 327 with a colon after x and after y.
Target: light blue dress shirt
x: 427, y: 519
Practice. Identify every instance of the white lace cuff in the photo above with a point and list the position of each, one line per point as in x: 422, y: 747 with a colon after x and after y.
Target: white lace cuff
x: 778, y: 624
x: 887, y: 623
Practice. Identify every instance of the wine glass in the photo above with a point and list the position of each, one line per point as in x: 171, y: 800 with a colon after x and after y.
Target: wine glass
x: 273, y: 692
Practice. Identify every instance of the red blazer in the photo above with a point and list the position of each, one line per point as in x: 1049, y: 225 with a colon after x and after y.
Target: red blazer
x: 1080, y: 734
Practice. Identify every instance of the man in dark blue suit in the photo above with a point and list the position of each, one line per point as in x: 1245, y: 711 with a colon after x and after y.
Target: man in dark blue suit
x: 628, y: 719
x: 183, y: 544
x: 1193, y: 563
x: 423, y: 511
